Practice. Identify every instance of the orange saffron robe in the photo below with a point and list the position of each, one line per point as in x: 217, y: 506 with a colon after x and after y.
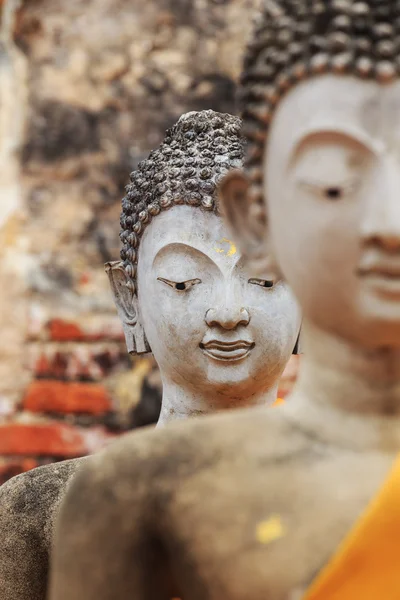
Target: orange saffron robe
x: 366, y: 565
x: 278, y: 401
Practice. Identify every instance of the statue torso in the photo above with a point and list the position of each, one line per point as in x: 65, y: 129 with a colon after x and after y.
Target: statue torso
x: 258, y: 515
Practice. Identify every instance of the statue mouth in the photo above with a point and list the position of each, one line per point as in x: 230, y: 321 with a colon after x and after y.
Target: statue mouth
x: 227, y: 351
x: 384, y: 277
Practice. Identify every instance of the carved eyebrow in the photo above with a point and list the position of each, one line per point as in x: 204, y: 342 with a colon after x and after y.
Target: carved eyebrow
x: 182, y: 246
x: 352, y: 134
x: 171, y: 246
x: 319, y: 183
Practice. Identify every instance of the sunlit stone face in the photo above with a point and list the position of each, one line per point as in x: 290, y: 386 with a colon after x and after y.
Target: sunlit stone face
x: 332, y: 183
x: 210, y: 325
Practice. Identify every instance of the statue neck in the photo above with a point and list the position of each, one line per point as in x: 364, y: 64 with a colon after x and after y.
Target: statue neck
x: 182, y: 403
x: 347, y: 395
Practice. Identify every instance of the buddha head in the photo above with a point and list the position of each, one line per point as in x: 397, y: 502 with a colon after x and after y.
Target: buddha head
x: 318, y: 201
x: 181, y: 289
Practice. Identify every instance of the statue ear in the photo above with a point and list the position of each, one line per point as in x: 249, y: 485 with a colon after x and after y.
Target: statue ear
x: 246, y: 219
x: 126, y: 301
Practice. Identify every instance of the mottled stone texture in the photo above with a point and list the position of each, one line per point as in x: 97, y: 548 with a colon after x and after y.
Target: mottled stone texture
x: 87, y: 89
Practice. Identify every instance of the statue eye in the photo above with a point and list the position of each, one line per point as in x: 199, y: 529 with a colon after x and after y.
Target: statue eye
x: 331, y: 192
x: 180, y: 286
x: 267, y: 283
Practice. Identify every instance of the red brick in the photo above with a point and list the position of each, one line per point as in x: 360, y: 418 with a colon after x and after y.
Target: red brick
x: 91, y: 330
x: 42, y: 365
x: 84, y: 279
x: 77, y: 361
x: 65, y: 397
x: 289, y: 376
x: 57, y: 367
x: 283, y: 392
x: 62, y: 331
x: 48, y: 439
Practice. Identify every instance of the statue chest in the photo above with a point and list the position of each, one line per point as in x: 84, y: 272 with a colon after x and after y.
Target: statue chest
x: 267, y: 531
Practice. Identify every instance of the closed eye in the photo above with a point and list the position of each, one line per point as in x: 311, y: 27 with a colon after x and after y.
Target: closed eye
x: 180, y: 286
x: 267, y: 283
x: 331, y: 192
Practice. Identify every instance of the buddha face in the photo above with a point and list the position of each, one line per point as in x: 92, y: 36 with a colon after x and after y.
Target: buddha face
x: 332, y: 184
x: 210, y: 325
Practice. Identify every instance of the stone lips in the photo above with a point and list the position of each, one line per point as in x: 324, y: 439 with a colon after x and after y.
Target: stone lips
x: 194, y: 156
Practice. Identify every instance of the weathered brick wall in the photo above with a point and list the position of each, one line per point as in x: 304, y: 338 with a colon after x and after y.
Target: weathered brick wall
x: 74, y: 401
x: 87, y: 89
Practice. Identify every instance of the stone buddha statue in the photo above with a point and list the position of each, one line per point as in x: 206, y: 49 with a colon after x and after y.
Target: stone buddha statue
x: 221, y: 337
x: 300, y: 501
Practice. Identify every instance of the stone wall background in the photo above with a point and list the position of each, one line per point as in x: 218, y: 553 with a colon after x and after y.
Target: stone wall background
x: 88, y: 87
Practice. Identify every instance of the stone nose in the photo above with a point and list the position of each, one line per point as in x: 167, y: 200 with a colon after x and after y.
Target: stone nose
x: 227, y: 317
x: 381, y: 215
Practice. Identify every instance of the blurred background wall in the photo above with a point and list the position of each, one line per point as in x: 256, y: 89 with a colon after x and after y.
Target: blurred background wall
x: 87, y: 88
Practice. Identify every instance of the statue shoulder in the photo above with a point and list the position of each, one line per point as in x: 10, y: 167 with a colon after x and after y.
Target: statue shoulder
x: 148, y: 460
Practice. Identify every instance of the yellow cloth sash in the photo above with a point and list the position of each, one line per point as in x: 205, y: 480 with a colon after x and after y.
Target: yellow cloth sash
x: 367, y: 563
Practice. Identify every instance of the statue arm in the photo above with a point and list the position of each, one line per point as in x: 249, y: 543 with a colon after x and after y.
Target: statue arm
x: 105, y: 546
x: 28, y: 504
x: 23, y: 559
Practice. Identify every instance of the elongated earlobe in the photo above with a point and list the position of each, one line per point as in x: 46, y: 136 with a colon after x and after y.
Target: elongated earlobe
x: 126, y: 302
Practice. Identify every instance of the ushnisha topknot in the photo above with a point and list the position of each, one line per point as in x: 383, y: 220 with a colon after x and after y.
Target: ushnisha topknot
x: 195, y: 155
x: 297, y: 39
